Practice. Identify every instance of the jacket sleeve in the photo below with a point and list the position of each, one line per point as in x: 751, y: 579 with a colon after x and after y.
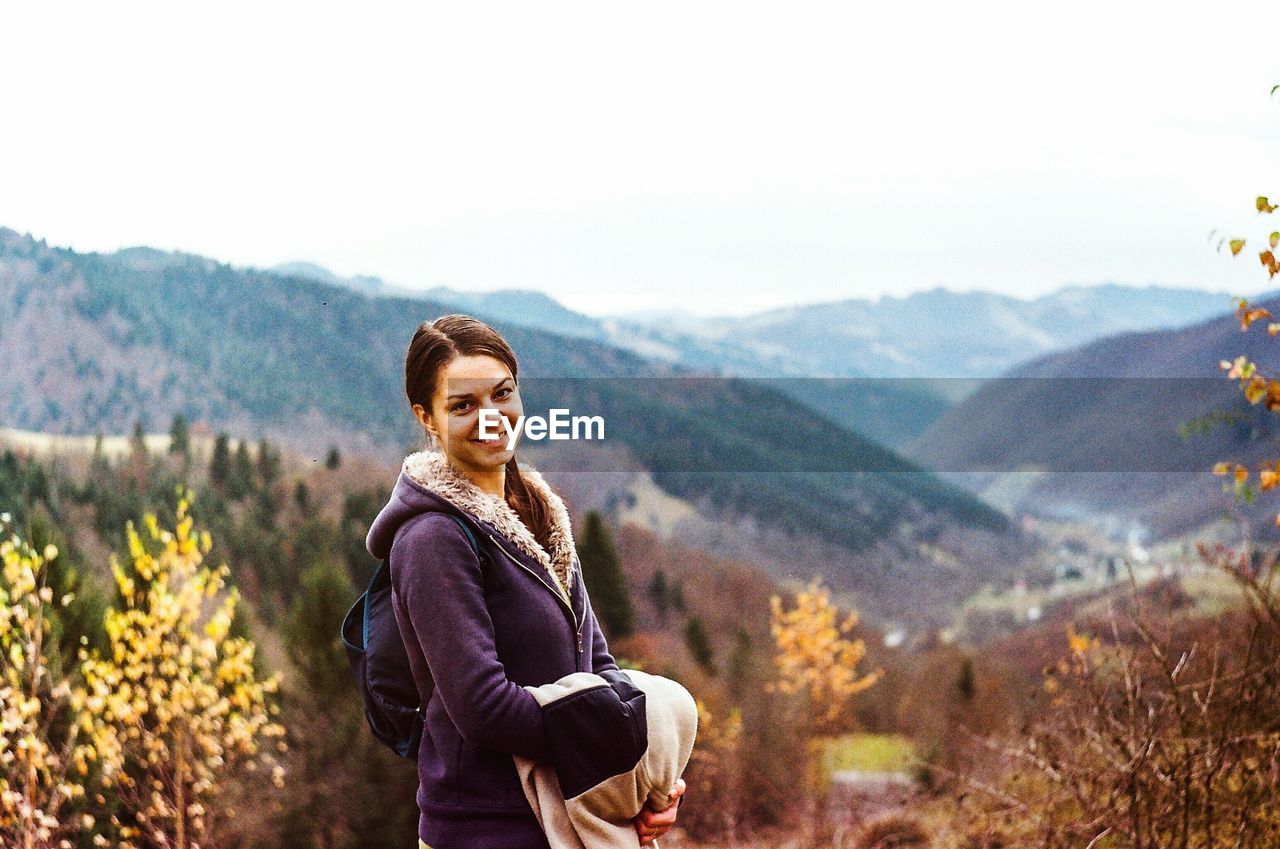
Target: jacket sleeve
x: 601, y: 659
x: 438, y: 580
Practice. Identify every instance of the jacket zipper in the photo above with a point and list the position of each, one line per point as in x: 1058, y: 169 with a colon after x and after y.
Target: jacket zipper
x: 577, y: 625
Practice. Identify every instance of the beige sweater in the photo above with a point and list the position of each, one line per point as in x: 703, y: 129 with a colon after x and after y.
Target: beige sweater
x: 600, y: 817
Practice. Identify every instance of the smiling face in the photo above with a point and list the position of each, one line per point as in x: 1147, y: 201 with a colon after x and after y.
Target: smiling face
x: 464, y: 386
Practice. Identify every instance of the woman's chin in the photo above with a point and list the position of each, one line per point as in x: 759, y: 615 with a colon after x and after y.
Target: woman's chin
x: 486, y: 457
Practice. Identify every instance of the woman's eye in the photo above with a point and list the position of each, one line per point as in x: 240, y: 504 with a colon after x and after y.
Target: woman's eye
x: 458, y: 406
x: 503, y: 393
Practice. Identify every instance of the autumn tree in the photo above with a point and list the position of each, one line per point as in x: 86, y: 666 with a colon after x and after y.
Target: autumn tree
x: 44, y: 759
x: 817, y: 660
x: 816, y: 665
x: 175, y: 699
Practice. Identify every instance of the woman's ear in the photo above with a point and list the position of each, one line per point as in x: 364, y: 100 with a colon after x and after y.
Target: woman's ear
x: 420, y: 413
x: 425, y: 420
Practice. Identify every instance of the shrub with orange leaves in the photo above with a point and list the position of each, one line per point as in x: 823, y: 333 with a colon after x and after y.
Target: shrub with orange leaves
x: 817, y: 658
x: 176, y: 702
x: 1256, y: 387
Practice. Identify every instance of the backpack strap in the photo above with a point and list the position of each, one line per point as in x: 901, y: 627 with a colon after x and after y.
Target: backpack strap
x: 375, y: 650
x: 466, y: 529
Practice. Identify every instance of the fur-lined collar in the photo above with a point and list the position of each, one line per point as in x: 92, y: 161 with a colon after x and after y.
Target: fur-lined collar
x: 432, y: 470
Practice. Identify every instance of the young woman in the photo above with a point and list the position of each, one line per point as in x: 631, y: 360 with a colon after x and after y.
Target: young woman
x: 477, y: 629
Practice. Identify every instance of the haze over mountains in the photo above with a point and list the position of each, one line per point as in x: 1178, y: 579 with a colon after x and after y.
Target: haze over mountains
x: 932, y: 334
x: 1130, y: 426
x: 934, y: 344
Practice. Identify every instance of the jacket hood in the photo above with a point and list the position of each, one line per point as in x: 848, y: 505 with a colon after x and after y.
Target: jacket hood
x: 428, y: 483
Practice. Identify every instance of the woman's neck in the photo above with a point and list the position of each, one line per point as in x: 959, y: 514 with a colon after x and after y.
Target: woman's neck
x: 492, y: 481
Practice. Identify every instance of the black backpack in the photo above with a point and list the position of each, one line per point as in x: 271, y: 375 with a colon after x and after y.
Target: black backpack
x: 377, y: 656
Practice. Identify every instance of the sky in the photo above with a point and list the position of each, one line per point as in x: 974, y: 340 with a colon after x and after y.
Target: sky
x: 713, y: 158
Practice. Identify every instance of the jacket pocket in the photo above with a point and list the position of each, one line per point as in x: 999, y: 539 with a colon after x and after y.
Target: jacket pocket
x: 488, y: 778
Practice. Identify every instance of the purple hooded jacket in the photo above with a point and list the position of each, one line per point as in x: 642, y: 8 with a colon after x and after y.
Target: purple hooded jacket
x: 481, y: 631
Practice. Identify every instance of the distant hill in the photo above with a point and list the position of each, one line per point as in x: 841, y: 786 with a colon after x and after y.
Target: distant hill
x: 91, y: 342
x: 361, y: 283
x: 922, y: 337
x: 940, y: 333
x: 1104, y: 418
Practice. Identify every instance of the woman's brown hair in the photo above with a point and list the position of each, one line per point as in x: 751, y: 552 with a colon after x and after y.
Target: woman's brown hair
x: 435, y: 344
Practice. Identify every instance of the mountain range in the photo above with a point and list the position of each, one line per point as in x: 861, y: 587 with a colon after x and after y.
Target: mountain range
x: 94, y: 342
x: 892, y: 365
x: 1128, y: 427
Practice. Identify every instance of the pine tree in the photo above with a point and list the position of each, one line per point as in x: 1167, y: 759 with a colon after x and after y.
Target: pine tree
x: 660, y: 595
x: 179, y: 436
x: 99, y: 480
x: 699, y: 644
x: 220, y: 463
x: 334, y: 460
x: 139, y: 457
x: 302, y: 498
x: 602, y: 574
x: 241, y: 481
x: 268, y: 463
x: 265, y: 508
x: 138, y: 442
x: 311, y: 633
x: 676, y: 594
x: 965, y: 682
x: 740, y: 663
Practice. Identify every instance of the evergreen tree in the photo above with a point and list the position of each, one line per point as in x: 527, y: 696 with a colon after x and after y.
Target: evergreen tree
x: 69, y: 581
x: 139, y: 458
x: 699, y: 644
x: 311, y: 633
x: 13, y: 486
x: 265, y: 508
x: 302, y: 498
x: 602, y: 574
x: 179, y: 436
x: 660, y: 595
x: 241, y: 481
x: 138, y: 442
x: 676, y: 594
x: 220, y: 463
x: 740, y: 662
x: 965, y: 683
x: 39, y: 487
x: 333, y: 759
x: 358, y: 512
x: 334, y: 460
x: 268, y: 463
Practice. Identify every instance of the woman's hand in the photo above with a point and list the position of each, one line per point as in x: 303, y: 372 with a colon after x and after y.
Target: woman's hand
x: 651, y: 824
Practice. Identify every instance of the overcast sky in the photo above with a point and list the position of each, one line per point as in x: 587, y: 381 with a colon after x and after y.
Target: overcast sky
x: 717, y: 158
